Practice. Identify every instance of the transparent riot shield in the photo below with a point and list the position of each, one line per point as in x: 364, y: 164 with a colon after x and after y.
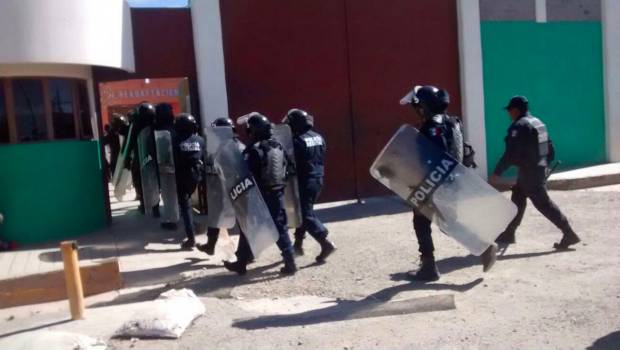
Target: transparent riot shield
x: 167, y: 178
x: 461, y: 203
x: 284, y: 135
x: 148, y: 169
x: 220, y: 212
x: 250, y: 208
x: 122, y: 175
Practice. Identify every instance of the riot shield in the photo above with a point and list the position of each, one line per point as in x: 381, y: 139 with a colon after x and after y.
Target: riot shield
x: 461, y: 203
x: 148, y: 169
x: 167, y: 179
x: 220, y: 212
x: 122, y: 175
x: 284, y: 135
x: 250, y: 208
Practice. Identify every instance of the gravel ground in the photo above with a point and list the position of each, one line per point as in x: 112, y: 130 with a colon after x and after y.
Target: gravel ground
x: 534, y: 298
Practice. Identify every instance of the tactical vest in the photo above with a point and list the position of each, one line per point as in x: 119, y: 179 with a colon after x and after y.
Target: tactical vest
x: 455, y: 140
x: 542, y: 140
x: 273, y: 164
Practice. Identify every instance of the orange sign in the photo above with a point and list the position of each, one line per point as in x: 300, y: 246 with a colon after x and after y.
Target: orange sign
x: 121, y: 96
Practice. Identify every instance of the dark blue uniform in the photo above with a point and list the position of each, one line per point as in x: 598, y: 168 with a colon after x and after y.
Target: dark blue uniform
x: 271, y: 187
x: 530, y: 154
x: 436, y: 130
x: 310, y: 151
x: 188, y: 163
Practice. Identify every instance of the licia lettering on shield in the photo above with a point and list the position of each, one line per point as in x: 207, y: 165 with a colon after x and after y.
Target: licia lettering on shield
x: 243, y: 186
x: 437, y: 176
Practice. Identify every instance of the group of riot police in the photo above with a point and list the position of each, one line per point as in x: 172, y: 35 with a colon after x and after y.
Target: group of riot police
x: 168, y: 158
x: 272, y: 183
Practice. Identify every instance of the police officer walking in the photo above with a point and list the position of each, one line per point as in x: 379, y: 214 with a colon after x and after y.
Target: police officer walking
x: 310, y: 162
x: 164, y: 120
x: 144, y: 116
x: 266, y: 159
x: 529, y: 148
x: 213, y: 233
x: 430, y: 105
x: 188, y: 148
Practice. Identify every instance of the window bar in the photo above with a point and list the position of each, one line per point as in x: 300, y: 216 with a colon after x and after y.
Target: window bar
x: 47, y: 102
x: 77, y: 121
x: 10, y: 110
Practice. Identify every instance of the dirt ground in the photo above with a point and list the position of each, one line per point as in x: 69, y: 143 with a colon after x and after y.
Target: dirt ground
x: 534, y: 298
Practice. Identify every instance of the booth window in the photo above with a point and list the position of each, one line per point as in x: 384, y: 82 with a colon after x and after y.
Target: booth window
x: 43, y: 109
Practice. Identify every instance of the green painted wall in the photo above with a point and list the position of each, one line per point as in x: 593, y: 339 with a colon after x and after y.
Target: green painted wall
x: 558, y: 66
x: 50, y: 190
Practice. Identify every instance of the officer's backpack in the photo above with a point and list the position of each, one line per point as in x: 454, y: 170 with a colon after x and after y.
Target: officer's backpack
x: 274, y: 164
x: 457, y: 147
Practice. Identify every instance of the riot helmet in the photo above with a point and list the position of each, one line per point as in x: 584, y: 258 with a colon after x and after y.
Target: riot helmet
x: 258, y: 127
x: 299, y: 120
x: 118, y: 123
x: 146, y: 114
x: 428, y: 100
x: 223, y: 122
x: 185, y: 124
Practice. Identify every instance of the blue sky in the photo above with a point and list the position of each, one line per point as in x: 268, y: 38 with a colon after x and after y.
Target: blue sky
x: 158, y: 3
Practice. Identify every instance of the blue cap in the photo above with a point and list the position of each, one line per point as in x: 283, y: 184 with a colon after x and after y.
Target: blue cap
x: 519, y: 102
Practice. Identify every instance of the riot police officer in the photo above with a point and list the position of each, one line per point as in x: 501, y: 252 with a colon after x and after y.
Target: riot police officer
x: 164, y: 120
x: 144, y: 116
x: 430, y: 105
x: 266, y: 159
x: 529, y: 148
x: 214, y: 232
x: 112, y: 139
x: 310, y: 150
x: 188, y: 148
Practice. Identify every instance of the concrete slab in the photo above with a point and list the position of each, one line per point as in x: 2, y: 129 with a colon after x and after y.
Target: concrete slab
x: 595, y: 176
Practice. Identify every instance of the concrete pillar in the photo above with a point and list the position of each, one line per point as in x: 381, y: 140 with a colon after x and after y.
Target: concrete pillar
x: 611, y: 66
x: 541, y: 11
x: 210, y: 68
x: 472, y: 83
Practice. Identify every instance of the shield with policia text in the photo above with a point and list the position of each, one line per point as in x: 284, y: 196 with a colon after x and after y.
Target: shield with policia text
x: 250, y: 209
x: 220, y: 212
x: 148, y: 169
x: 122, y: 174
x: 284, y: 135
x: 167, y: 178
x: 442, y: 189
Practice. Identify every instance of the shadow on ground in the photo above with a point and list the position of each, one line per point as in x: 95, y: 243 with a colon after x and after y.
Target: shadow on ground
x: 375, y: 206
x: 609, y: 342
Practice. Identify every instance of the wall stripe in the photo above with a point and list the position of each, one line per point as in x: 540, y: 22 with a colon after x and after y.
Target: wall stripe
x: 472, y: 84
x: 611, y: 58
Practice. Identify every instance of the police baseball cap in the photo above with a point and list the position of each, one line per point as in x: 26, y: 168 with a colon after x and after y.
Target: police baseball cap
x: 519, y: 102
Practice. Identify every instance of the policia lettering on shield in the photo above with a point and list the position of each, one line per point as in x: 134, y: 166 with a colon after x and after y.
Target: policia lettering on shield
x: 529, y: 148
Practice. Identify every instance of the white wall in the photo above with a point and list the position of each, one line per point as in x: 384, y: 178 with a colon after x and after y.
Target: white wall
x: 472, y: 84
x: 83, y: 32
x: 210, y: 66
x: 611, y: 57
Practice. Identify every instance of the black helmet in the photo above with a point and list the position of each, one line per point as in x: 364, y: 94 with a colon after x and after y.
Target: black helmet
x: 118, y: 122
x: 185, y: 123
x: 223, y: 122
x: 258, y: 126
x: 146, y: 114
x: 164, y: 115
x: 299, y: 120
x: 431, y: 99
x: 132, y: 115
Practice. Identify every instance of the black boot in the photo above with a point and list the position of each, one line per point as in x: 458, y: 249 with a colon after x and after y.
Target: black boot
x: 507, y: 237
x: 327, y: 248
x: 489, y: 257
x: 569, y: 238
x: 208, y: 248
x: 238, y: 266
x: 188, y: 244
x: 155, y: 211
x: 289, y: 263
x: 428, y: 271
x: 298, y: 246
